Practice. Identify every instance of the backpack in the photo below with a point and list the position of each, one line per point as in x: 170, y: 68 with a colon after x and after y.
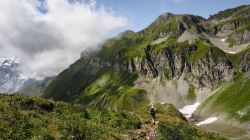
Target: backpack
x: 152, y: 110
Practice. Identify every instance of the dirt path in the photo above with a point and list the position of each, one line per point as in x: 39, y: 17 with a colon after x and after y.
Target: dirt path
x: 148, y: 130
x: 152, y: 133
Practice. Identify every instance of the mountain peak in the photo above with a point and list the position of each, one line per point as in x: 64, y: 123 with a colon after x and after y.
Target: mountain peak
x: 164, y: 18
x: 9, y: 61
x: 126, y: 33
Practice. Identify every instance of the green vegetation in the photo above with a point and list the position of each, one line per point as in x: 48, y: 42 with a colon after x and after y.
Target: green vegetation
x: 240, y: 59
x: 169, y: 43
x: 70, y: 83
x: 230, y: 12
x: 173, y: 125
x: 114, y: 90
x: 23, y: 117
x: 231, y: 40
x: 202, y: 50
x: 35, y: 118
x: 103, y: 81
x: 170, y: 131
x: 243, y: 10
x: 191, y: 93
x: 246, y: 27
x: 36, y: 88
x: 104, y: 89
x: 233, y: 99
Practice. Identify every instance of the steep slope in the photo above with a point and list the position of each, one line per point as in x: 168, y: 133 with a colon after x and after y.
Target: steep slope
x: 35, y: 88
x: 238, y: 86
x: 232, y: 98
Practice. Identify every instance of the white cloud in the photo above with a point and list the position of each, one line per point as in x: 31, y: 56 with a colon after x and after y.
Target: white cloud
x: 48, y: 43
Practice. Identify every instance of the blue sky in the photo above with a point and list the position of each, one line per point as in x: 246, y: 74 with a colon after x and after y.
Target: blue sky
x: 141, y: 13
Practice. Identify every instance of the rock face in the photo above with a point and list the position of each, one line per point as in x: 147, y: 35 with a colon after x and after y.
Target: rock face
x: 241, y: 37
x: 244, y: 65
x: 206, y: 71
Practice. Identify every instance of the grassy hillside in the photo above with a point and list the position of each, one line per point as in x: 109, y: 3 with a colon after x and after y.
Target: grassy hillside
x: 232, y: 98
x: 35, y: 118
x: 24, y: 117
x: 114, y: 90
x: 106, y: 89
x: 36, y: 88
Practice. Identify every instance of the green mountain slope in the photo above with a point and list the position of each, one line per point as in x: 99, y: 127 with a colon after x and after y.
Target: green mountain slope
x: 233, y: 12
x: 232, y: 98
x: 36, y: 118
x: 36, y: 88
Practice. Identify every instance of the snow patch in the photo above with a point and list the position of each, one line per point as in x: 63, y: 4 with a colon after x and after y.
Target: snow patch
x: 159, y: 40
x: 207, y: 121
x: 223, y: 40
x: 232, y: 52
x: 188, y: 110
x: 8, y: 61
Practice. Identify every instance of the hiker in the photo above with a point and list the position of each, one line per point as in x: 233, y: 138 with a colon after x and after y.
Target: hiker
x: 152, y: 112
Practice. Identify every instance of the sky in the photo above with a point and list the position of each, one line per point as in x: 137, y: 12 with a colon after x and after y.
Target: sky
x: 49, y: 35
x: 141, y: 13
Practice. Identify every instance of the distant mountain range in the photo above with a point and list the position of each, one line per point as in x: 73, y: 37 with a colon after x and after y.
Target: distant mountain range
x: 13, y: 81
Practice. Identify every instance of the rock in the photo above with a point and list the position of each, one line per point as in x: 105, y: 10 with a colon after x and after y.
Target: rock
x: 241, y: 37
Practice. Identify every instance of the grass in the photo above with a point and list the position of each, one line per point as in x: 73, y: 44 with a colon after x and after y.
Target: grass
x: 23, y: 117
x: 173, y: 125
x: 232, y: 99
x: 191, y: 96
x: 72, y: 81
x: 231, y: 40
x: 114, y: 90
x: 202, y: 50
x: 241, y: 29
x: 240, y: 59
x: 229, y: 12
x: 170, y: 131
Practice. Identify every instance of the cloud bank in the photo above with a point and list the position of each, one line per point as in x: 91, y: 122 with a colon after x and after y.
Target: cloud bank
x: 49, y: 35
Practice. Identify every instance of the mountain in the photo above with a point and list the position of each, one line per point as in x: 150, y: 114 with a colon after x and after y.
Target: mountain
x: 11, y: 80
x: 178, y: 59
x: 35, y: 88
x: 14, y: 82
